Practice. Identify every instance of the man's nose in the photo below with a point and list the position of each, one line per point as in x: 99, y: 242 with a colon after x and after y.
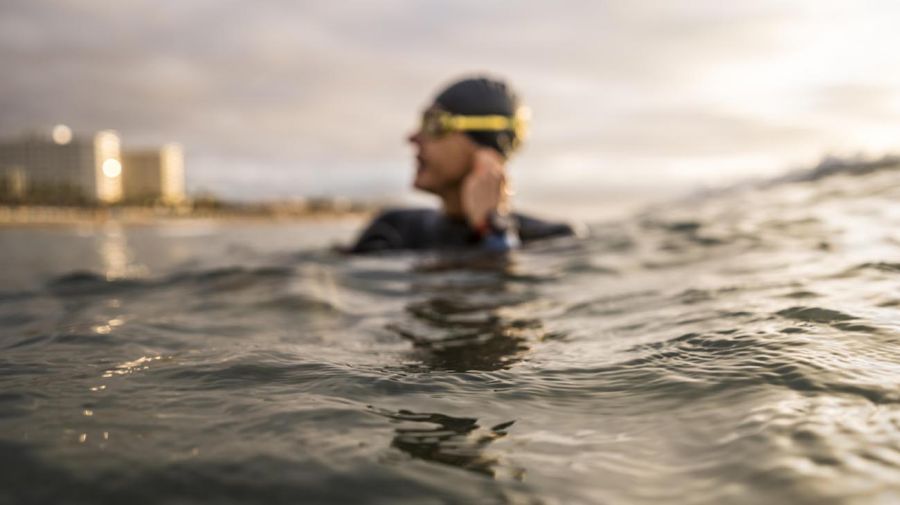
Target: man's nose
x: 415, y: 137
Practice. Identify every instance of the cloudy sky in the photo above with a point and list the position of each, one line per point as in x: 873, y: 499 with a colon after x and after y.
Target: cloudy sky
x: 284, y: 98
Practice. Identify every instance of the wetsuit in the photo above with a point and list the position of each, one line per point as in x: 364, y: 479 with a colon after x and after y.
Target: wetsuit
x: 422, y: 229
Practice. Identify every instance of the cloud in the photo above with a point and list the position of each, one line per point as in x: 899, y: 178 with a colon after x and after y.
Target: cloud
x: 859, y: 101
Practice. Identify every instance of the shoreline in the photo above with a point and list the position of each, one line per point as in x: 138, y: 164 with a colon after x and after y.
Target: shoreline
x: 35, y: 215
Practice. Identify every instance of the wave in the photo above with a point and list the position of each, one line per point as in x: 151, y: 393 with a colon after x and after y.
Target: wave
x: 692, y: 353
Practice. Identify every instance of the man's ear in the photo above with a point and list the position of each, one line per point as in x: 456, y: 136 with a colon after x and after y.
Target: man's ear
x: 490, y: 154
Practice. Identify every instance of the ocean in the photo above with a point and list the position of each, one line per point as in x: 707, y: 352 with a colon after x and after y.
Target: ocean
x: 737, y: 347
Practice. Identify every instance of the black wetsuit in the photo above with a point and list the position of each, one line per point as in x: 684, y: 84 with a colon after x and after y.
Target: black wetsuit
x: 422, y: 229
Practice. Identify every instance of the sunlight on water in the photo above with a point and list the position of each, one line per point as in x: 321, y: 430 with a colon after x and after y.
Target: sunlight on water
x: 114, y: 252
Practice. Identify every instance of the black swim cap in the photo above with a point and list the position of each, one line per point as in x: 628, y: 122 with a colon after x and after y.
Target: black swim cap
x: 481, y: 96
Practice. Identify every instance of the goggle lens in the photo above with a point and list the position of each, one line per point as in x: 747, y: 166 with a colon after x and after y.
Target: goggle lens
x: 432, y: 125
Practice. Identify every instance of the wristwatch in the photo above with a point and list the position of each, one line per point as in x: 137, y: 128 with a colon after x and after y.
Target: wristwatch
x: 499, y: 223
x: 496, y: 223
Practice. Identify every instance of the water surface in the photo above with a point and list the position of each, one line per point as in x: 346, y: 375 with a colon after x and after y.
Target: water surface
x: 743, y: 348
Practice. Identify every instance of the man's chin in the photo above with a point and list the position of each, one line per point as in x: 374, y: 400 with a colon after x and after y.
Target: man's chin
x: 422, y: 185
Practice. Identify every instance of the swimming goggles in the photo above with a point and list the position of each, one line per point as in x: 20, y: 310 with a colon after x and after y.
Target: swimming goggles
x: 436, y: 123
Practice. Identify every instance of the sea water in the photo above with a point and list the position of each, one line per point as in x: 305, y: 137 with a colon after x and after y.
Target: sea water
x: 742, y: 347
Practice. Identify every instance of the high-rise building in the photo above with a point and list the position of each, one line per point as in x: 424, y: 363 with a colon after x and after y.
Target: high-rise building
x: 62, y: 168
x: 154, y: 175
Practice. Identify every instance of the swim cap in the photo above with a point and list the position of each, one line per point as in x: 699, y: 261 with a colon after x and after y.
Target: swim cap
x: 481, y: 96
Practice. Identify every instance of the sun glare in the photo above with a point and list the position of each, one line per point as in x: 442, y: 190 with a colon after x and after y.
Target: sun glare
x: 62, y: 134
x: 112, y: 168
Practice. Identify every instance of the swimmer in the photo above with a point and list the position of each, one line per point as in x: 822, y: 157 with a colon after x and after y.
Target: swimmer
x: 462, y: 147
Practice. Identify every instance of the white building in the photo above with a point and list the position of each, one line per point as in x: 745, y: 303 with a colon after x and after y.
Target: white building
x: 154, y: 175
x: 61, y: 168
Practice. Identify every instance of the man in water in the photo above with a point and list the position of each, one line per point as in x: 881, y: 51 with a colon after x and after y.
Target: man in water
x: 466, y: 137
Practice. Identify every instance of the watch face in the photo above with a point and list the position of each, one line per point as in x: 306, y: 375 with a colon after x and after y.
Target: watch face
x: 500, y: 222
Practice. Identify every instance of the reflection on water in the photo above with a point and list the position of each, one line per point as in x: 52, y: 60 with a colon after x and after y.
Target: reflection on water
x: 470, y: 326
x: 453, y: 441
x: 115, y: 255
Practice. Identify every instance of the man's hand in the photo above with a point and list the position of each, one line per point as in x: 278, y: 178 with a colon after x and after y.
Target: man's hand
x: 484, y: 189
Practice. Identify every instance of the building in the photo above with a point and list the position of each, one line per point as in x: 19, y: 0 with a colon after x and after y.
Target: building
x: 154, y: 175
x: 13, y: 185
x: 62, y: 168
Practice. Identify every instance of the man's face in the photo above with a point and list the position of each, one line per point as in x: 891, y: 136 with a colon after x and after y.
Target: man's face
x: 442, y: 162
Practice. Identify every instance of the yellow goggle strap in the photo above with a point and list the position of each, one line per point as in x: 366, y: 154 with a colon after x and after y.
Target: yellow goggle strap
x: 471, y: 123
x: 517, y: 124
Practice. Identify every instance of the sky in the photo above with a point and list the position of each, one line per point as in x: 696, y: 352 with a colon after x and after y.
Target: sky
x: 279, y: 98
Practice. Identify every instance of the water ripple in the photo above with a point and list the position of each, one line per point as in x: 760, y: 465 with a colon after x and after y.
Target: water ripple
x: 738, y: 348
